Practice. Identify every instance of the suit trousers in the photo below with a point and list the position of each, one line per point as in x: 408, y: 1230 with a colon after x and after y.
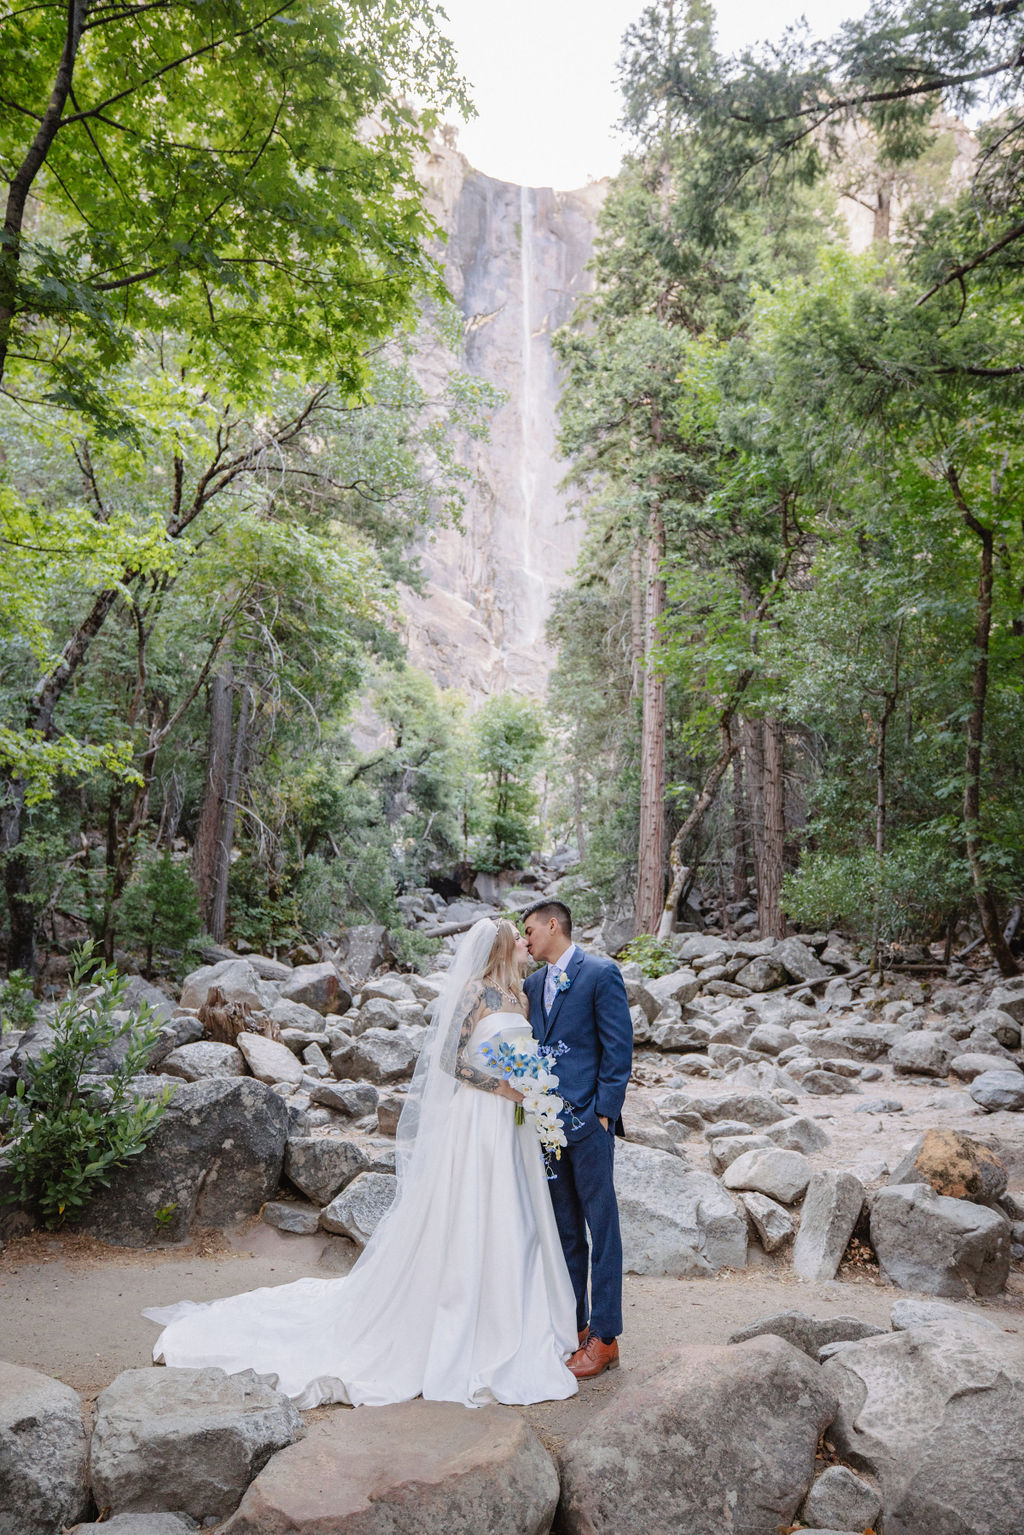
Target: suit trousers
x: 583, y: 1196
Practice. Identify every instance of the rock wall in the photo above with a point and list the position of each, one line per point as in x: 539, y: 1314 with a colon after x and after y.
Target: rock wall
x: 515, y: 263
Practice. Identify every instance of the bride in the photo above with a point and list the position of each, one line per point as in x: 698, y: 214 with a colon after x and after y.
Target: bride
x: 462, y: 1293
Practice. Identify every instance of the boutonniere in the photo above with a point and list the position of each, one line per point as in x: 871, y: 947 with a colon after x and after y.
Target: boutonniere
x: 562, y: 981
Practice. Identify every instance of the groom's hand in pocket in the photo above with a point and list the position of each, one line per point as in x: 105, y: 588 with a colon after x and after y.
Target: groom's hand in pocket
x: 602, y: 1121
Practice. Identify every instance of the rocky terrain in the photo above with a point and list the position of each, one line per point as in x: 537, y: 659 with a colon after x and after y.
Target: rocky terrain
x: 789, y: 1113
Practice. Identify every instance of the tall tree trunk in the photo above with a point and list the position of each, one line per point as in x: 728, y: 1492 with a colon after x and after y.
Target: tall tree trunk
x: 983, y: 892
x: 219, y: 905
x: 753, y: 772
x: 209, y: 833
x: 739, y: 830
x: 770, y: 918
x: 680, y: 872
x: 636, y: 618
x: 651, y: 859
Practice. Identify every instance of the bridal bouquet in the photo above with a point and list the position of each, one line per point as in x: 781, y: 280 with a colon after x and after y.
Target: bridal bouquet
x: 526, y: 1071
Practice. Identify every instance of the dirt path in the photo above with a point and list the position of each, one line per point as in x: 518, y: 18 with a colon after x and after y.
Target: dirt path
x: 71, y: 1307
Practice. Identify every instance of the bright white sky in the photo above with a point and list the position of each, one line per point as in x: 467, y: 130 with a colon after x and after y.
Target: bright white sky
x: 543, y: 75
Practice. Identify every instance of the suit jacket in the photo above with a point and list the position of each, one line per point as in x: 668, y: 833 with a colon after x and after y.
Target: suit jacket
x: 592, y: 1020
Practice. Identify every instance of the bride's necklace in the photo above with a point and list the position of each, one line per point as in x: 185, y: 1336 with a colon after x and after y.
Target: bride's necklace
x: 503, y: 991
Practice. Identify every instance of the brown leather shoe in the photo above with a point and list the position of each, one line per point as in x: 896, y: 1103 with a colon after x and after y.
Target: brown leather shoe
x: 594, y: 1358
x: 583, y: 1335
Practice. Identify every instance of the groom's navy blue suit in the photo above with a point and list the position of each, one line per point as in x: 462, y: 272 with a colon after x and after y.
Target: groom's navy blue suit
x: 592, y: 1020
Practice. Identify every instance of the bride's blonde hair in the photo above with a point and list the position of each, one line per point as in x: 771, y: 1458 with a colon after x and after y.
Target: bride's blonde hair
x: 502, y: 967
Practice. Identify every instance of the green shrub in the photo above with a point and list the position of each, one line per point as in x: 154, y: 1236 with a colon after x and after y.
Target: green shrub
x: 160, y: 909
x: 654, y: 958
x: 906, y: 896
x: 17, y: 1002
x: 62, y: 1138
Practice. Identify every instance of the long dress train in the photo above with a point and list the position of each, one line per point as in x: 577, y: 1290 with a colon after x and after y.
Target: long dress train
x: 461, y: 1295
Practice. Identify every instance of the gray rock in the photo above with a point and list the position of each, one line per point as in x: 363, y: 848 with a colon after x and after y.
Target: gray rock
x: 728, y: 1127
x: 638, y: 996
x: 934, y: 1417
x: 1001, y: 1089
x: 827, y: 1084
x: 716, y: 1439
x: 879, y: 1106
x: 773, y: 1223
x: 316, y: 1062
x: 268, y: 1060
x: 269, y: 969
x: 389, y: 1112
x: 380, y: 1056
x: 360, y: 1207
x: 974, y: 1062
x: 807, y: 1333
x: 182, y: 1029
x: 840, y: 1500
x: 43, y: 1453
x: 320, y: 987
x: 140, y: 1524
x: 861, y: 1042
x: 685, y: 1036
x: 782, y: 1175
x: 771, y: 1039
x: 356, y: 1099
x: 378, y: 1013
x: 301, y: 1220
x: 762, y: 974
x: 926, y: 1052
x: 927, y: 1241
x: 138, y: 992
x: 413, y: 1468
x: 724, y: 1149
x: 915, y: 1313
x: 204, y: 1058
x: 798, y: 1134
x: 753, y: 1108
x: 678, y: 986
x: 674, y: 1220
x: 235, y: 979
x: 364, y: 949
x: 320, y: 1166
x: 188, y: 1439
x: 1009, y: 998
x: 831, y: 1209
x: 213, y: 1160
x: 393, y: 988
x: 1002, y: 1025
x: 296, y: 1015
x: 798, y: 961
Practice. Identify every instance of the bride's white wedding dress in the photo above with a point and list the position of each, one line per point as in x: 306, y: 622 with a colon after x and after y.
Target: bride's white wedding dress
x: 461, y: 1295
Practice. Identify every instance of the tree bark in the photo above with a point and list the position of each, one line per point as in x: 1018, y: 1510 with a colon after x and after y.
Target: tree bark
x: 753, y: 771
x: 680, y: 871
x: 770, y: 918
x: 983, y: 892
x: 219, y: 905
x: 651, y: 858
x: 739, y: 829
x: 206, y: 852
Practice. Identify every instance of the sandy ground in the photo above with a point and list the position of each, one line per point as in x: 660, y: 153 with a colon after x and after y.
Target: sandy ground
x: 71, y: 1306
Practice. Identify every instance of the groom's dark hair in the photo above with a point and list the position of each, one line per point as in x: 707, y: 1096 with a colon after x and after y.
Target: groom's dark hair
x: 545, y: 910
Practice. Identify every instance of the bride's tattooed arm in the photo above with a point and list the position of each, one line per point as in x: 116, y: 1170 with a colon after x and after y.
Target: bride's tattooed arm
x: 475, y: 1003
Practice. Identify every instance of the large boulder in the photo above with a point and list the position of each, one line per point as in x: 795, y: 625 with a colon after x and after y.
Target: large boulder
x: 798, y: 1133
x: 782, y: 1175
x: 213, y: 1160
x: 320, y: 987
x: 363, y: 949
x: 141, y: 1524
x: 378, y: 1013
x: 204, y: 1058
x: 413, y: 1468
x: 846, y: 1041
x: 926, y: 1241
x: 237, y: 982
x: 772, y: 1221
x: 831, y: 1209
x: 139, y: 993
x: 43, y: 1453
x: 1004, y: 1026
x: 807, y: 1333
x: 360, y: 1207
x: 955, y: 1165
x: 934, y: 1414
x: 186, y: 1441
x: 1000, y: 1089
x: 678, y: 986
x: 320, y: 1166
x: 1009, y: 998
x: 674, y: 1220
x: 798, y: 961
x: 716, y: 1438
x: 839, y: 1500
x: 392, y: 987
x: 924, y: 1052
x: 751, y: 1108
x: 973, y: 1062
x: 378, y: 1056
x: 268, y: 1060
x: 761, y: 974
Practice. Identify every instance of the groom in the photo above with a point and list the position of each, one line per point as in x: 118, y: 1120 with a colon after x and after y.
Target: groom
x: 579, y: 1001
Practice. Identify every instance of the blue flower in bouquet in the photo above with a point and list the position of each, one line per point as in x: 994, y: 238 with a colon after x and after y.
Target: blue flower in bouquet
x: 562, y: 981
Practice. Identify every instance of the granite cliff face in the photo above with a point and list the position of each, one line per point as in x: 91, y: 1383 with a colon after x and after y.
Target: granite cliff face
x: 515, y: 264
